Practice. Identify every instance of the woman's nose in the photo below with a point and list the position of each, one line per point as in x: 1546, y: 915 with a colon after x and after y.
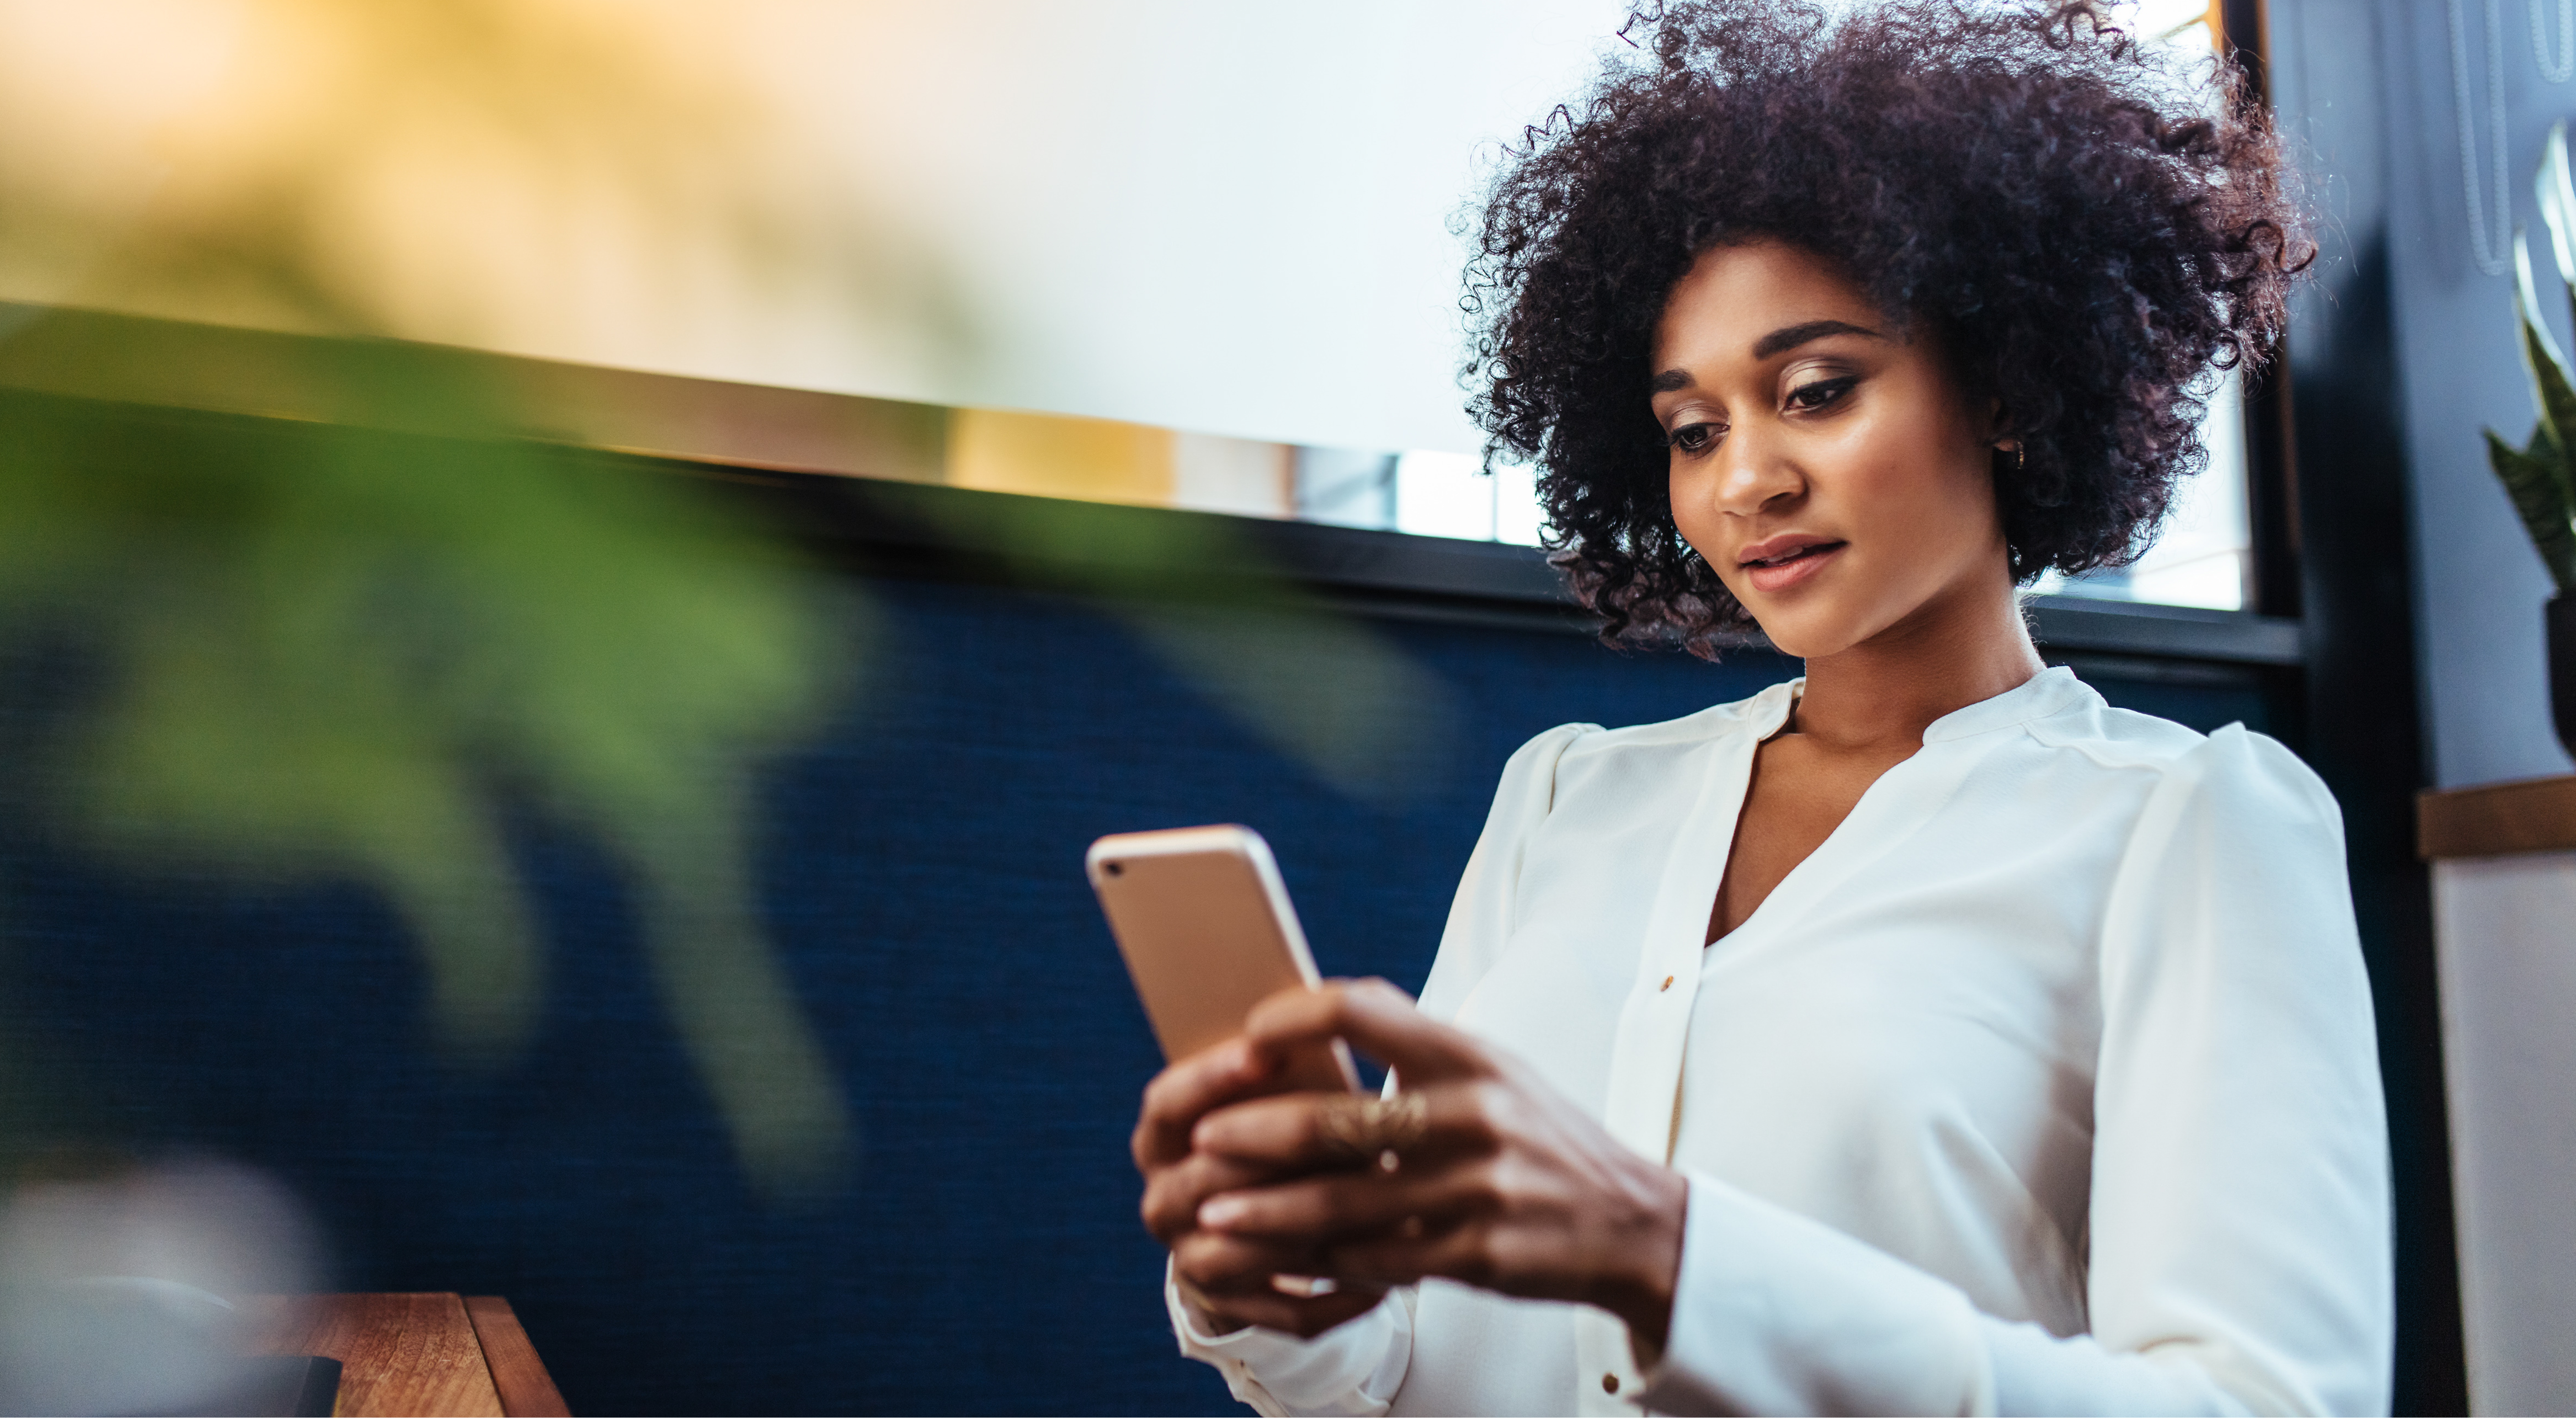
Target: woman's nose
x: 1754, y: 473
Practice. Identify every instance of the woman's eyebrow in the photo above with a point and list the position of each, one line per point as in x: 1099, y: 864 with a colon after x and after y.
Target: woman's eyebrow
x: 1789, y: 337
x: 1780, y: 341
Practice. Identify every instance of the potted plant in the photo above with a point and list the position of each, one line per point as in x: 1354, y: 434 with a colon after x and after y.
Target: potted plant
x: 2541, y: 475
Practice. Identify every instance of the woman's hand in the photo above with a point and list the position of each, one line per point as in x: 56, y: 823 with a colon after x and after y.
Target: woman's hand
x: 1227, y: 1277
x: 1510, y: 1186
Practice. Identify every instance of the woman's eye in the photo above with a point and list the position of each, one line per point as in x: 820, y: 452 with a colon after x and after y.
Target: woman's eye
x: 1821, y: 393
x: 1693, y: 437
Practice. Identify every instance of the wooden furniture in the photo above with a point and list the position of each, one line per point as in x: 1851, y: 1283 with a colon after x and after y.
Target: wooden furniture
x: 430, y: 1353
x: 2504, y: 915
x: 2535, y: 815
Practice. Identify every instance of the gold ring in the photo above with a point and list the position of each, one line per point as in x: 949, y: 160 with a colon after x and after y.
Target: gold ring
x: 1374, y: 1127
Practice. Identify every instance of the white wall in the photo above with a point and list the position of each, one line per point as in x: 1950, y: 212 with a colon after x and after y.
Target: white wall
x: 2507, y: 929
x: 1222, y: 217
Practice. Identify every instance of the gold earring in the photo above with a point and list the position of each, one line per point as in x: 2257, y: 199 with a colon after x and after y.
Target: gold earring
x: 2018, y: 458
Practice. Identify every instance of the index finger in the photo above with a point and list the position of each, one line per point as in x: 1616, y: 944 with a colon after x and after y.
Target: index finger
x: 1377, y: 1019
x: 1183, y: 1093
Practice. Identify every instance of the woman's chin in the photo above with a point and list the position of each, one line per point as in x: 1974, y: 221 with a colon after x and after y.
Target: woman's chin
x: 1804, y: 635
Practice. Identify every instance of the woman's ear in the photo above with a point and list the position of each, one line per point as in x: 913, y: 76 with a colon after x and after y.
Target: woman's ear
x: 1999, y: 434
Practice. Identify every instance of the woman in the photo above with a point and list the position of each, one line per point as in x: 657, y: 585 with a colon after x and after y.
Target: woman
x: 1922, y: 1036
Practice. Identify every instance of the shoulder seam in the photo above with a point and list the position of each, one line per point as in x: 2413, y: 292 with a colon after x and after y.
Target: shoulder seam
x: 2103, y: 754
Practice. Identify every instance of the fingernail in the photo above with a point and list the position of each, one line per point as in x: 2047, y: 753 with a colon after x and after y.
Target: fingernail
x: 1218, y: 1213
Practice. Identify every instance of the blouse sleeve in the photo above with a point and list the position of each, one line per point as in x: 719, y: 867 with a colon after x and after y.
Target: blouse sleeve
x: 2239, y: 1226
x: 1357, y: 1366
x: 1480, y: 916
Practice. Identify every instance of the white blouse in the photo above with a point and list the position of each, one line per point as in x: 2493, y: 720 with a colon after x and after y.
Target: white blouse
x: 2046, y: 1085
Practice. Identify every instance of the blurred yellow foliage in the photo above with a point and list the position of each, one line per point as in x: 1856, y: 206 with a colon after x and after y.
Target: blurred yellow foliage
x: 1056, y: 455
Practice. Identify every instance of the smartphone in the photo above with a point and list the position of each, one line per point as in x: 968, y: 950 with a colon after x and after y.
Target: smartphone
x: 1204, y: 922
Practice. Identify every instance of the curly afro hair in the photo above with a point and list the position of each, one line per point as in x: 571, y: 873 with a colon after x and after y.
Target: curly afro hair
x: 2086, y: 230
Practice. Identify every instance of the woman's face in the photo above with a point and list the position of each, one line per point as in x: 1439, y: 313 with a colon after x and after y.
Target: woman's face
x: 1822, y: 461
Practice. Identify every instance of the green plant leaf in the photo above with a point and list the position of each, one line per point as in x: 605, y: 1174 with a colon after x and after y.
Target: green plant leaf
x: 2538, y: 476
x: 2540, y: 353
x: 2538, y: 487
x: 2555, y: 191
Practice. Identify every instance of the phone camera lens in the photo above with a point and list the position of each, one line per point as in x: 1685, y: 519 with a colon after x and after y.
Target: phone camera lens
x: 1112, y: 868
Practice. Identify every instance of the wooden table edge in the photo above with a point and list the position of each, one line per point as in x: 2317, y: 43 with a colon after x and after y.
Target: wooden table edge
x: 526, y: 1389
x: 399, y: 1351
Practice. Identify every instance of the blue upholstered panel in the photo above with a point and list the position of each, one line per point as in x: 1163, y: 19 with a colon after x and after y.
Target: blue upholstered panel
x: 922, y: 876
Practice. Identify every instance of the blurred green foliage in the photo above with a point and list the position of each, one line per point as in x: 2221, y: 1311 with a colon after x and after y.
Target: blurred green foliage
x: 326, y: 651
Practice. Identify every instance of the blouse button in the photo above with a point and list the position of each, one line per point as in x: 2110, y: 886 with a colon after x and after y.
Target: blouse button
x: 1609, y: 1383
x: 1666, y: 985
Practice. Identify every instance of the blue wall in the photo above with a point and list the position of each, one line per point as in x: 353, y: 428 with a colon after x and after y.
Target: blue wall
x: 922, y: 877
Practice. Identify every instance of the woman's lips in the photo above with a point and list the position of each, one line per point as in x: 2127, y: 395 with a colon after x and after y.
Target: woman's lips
x: 1794, y: 568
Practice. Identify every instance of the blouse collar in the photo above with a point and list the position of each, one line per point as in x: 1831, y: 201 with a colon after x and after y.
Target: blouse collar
x: 2052, y: 691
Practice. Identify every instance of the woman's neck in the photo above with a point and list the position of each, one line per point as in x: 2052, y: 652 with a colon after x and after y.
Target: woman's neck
x: 1965, y: 645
